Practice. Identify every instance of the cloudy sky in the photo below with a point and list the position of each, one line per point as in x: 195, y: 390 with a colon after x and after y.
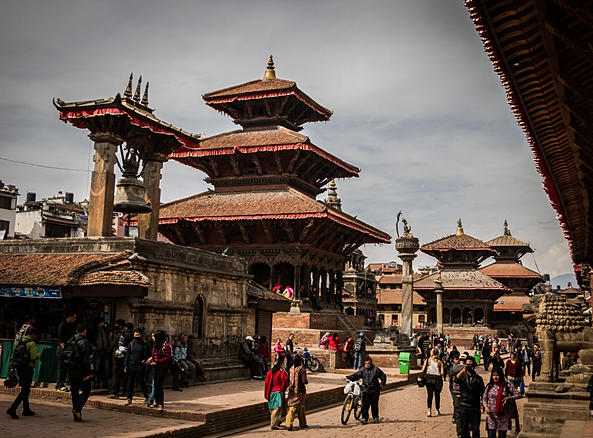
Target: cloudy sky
x: 416, y: 103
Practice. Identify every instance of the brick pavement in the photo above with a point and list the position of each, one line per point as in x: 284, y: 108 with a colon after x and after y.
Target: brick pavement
x: 402, y: 412
x: 54, y: 418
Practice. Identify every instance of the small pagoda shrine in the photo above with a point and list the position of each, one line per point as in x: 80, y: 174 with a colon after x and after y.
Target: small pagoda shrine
x: 468, y: 295
x: 266, y: 177
x: 508, y: 269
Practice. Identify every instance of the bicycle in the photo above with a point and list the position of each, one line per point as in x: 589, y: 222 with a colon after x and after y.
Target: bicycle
x: 352, y: 402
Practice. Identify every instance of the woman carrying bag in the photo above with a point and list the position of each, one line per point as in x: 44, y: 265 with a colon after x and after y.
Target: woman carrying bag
x: 433, y: 371
x: 499, y: 401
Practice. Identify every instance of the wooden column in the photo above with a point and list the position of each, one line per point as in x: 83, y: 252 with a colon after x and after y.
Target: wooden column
x: 332, y: 288
x: 100, y: 220
x: 148, y: 223
x: 297, y: 282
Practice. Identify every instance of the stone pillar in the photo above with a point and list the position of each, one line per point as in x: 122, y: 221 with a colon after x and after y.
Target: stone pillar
x: 547, y: 343
x: 297, y: 282
x: 439, y: 293
x: 148, y: 223
x: 100, y: 220
x: 316, y: 289
x: 407, y: 245
x: 332, y: 287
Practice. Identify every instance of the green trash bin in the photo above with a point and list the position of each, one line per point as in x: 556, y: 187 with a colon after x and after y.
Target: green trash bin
x: 404, y: 363
x: 477, y: 356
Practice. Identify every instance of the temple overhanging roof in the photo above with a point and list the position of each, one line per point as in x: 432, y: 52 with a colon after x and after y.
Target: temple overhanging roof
x: 460, y: 279
x: 82, y: 113
x: 271, y: 204
x: 273, y: 139
x: 457, y: 242
x: 509, y: 270
x: 541, y: 51
x: 508, y: 241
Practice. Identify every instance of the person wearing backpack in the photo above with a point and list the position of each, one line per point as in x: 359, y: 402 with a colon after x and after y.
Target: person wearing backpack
x: 77, y: 355
x: 66, y: 329
x: 359, y: 350
x: 24, y: 330
x: 24, y: 357
x: 119, y: 354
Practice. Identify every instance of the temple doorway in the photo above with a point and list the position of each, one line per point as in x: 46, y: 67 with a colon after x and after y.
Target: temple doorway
x: 261, y: 273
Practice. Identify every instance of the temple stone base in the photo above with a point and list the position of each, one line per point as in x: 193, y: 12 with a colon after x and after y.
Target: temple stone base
x: 548, y: 408
x: 387, y: 355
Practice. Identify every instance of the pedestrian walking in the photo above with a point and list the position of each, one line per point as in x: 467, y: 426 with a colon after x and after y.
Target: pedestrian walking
x: 136, y: 355
x: 66, y: 329
x: 471, y: 388
x: 297, y: 393
x: 279, y: 352
x: 349, y: 350
x: 486, y: 353
x: 23, y: 360
x: 457, y: 364
x: 78, y: 357
x: 101, y: 355
x: 536, y: 365
x: 434, y: 372
x: 497, y: 361
x: 276, y: 384
x: 525, y: 357
x: 514, y: 371
x: 373, y: 378
x: 360, y: 347
x: 24, y: 330
x: 160, y: 360
x: 498, y: 400
x: 289, y: 351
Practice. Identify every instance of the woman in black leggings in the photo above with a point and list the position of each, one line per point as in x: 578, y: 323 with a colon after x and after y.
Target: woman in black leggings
x: 434, y: 371
x: 160, y: 360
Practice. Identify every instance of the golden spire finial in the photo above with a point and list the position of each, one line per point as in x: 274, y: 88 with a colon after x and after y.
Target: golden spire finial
x: 128, y: 91
x: 137, y: 92
x: 145, y: 97
x: 507, y: 232
x: 459, y: 228
x: 270, y: 71
x: 332, y: 185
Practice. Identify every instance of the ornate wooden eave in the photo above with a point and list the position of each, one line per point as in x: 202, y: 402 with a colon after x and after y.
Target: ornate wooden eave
x: 125, y: 118
x: 542, y: 51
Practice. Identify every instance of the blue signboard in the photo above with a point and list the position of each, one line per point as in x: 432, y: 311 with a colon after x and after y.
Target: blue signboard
x: 31, y: 291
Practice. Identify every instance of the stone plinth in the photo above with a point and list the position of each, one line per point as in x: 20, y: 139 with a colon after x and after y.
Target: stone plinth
x: 387, y: 355
x: 546, y: 410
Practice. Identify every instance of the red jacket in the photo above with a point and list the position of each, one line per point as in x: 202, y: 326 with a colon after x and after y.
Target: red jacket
x: 514, y: 369
x: 275, y: 381
x: 162, y: 357
x: 334, y: 344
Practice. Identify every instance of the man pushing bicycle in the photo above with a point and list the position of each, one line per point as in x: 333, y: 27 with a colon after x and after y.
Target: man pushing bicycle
x: 372, y: 378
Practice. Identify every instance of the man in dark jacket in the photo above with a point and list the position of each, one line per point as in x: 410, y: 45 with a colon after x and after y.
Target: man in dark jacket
x: 79, y: 371
x: 101, y: 354
x: 119, y: 353
x: 487, y: 353
x: 457, y: 364
x: 66, y: 329
x: 136, y: 355
x: 471, y: 388
x: 372, y: 378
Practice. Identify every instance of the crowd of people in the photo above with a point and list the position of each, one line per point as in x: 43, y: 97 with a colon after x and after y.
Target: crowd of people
x: 92, y: 356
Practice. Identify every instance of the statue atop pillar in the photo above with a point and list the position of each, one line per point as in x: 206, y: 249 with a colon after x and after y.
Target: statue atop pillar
x: 407, y: 246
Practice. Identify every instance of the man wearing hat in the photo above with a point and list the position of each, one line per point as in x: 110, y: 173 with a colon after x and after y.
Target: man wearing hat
x: 457, y: 365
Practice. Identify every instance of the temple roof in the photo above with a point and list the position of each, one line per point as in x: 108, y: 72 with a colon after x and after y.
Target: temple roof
x: 69, y: 270
x: 460, y: 279
x: 286, y: 203
x: 507, y: 241
x: 541, y: 50
x: 294, y: 106
x: 271, y: 139
x: 394, y: 296
x: 118, y: 114
x: 459, y: 242
x: 509, y: 270
x: 511, y: 303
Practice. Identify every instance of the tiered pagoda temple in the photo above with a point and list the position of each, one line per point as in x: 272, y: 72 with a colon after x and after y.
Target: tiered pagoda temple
x: 266, y: 177
x: 508, y: 269
x: 468, y: 294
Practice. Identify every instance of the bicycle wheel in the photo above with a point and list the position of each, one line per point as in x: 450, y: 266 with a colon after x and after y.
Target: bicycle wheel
x: 357, y: 407
x: 314, y: 365
x: 347, y: 408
